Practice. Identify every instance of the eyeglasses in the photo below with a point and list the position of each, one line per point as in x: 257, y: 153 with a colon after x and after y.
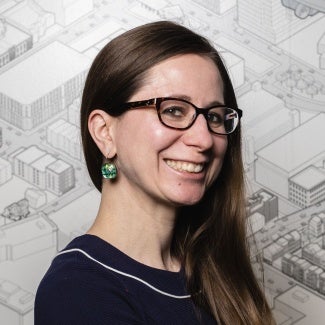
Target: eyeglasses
x: 181, y: 114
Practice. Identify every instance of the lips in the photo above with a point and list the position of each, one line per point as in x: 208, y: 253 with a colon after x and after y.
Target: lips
x: 185, y: 166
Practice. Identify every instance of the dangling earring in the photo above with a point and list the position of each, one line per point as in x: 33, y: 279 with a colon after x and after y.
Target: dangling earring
x: 109, y: 170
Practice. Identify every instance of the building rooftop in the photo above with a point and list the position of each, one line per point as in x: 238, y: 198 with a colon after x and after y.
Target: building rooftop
x: 266, y: 128
x: 15, y: 297
x: 12, y: 36
x: 272, y: 249
x: 80, y: 223
x: 30, y: 154
x: 17, y: 233
x: 41, y: 163
x: 25, y: 13
x: 321, y: 215
x: 54, y: 126
x: 58, y: 166
x: 309, y: 178
x: 42, y: 72
x: 97, y: 34
x: 231, y: 58
x: 256, y: 62
x: 315, y: 220
x: 312, y: 248
x: 265, y: 195
x: 297, y: 147
x: 259, y: 105
x: 67, y: 129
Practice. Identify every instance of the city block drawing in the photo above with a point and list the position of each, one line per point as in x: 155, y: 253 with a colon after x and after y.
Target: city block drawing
x: 305, y: 8
x: 275, y: 54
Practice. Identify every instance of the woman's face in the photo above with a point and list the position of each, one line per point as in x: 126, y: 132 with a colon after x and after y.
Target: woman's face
x: 173, y: 167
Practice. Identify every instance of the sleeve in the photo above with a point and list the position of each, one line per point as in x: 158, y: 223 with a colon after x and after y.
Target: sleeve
x: 74, y: 299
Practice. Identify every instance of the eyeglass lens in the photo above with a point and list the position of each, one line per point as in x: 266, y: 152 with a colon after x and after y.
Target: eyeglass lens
x: 181, y: 115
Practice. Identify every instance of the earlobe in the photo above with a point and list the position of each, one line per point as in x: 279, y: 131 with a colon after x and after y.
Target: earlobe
x: 100, y: 126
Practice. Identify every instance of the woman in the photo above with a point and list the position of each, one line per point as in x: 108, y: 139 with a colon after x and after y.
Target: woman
x: 161, y: 136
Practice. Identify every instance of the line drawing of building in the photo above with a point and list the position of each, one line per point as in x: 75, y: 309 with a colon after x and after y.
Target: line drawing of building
x: 66, y: 137
x: 262, y: 207
x: 303, y: 45
x: 74, y: 112
x: 255, y: 62
x: 58, y: 76
x: 13, y: 42
x: 5, y: 171
x: 236, y: 68
x: 36, y: 198
x: 316, y: 225
x: 298, y: 306
x: 219, y: 6
x: 16, y: 304
x: 266, y: 119
x: 321, y: 51
x: 30, y: 164
x: 269, y: 19
x: 67, y: 11
x: 276, y: 63
x: 307, y: 269
x: 35, y: 239
x: 305, y: 8
x: 314, y: 254
x: 60, y: 177
x: 29, y: 16
x: 70, y: 228
x: 265, y: 203
x: 307, y: 187
x: 40, y: 233
x: 173, y: 12
x: 43, y: 170
x: 290, y: 154
x: 98, y: 35
x: 285, y: 244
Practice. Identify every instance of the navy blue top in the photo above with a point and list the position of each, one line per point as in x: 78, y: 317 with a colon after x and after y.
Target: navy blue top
x: 92, y: 282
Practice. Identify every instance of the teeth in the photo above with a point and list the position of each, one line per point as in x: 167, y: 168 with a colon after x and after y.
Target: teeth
x: 185, y: 166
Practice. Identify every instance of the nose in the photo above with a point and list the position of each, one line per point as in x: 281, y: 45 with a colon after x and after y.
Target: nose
x: 199, y: 135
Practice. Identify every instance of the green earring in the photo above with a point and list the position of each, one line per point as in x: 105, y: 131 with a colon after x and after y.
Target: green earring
x: 109, y: 170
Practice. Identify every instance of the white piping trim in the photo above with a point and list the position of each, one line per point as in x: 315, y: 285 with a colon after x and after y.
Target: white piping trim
x: 123, y: 273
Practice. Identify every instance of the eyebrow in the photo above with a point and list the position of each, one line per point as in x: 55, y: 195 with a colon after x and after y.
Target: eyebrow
x: 188, y: 98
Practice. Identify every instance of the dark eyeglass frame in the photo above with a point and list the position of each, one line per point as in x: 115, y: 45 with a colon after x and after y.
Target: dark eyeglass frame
x: 198, y: 110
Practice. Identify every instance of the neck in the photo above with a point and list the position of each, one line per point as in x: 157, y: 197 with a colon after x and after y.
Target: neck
x: 138, y: 226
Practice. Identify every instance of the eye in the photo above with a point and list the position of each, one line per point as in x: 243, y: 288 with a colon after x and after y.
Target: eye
x: 173, y: 111
x: 215, y: 118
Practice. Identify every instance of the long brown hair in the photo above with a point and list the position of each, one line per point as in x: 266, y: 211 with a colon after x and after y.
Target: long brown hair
x: 209, y: 237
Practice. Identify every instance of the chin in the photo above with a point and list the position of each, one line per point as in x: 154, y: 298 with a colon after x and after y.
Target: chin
x: 187, y: 201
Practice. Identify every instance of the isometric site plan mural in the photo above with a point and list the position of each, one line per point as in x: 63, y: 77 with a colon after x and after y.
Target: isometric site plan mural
x: 275, y: 53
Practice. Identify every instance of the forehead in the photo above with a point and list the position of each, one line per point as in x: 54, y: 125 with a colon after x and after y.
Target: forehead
x: 191, y: 75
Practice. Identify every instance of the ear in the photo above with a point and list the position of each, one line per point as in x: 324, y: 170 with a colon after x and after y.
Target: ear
x: 101, y: 127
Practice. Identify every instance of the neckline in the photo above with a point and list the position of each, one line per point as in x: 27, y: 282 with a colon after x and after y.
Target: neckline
x: 171, y: 282
x: 125, y: 256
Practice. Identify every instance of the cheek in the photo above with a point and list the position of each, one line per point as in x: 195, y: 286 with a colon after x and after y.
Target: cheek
x: 157, y: 132
x: 141, y: 132
x: 220, y: 150
x: 220, y: 147
x: 159, y: 137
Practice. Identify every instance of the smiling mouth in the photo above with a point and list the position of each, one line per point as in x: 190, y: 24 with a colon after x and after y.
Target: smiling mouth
x: 185, y: 166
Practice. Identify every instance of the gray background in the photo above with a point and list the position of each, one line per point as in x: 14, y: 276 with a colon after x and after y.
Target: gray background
x: 275, y: 53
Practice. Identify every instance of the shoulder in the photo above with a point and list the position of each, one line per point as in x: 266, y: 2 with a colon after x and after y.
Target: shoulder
x: 78, y: 290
